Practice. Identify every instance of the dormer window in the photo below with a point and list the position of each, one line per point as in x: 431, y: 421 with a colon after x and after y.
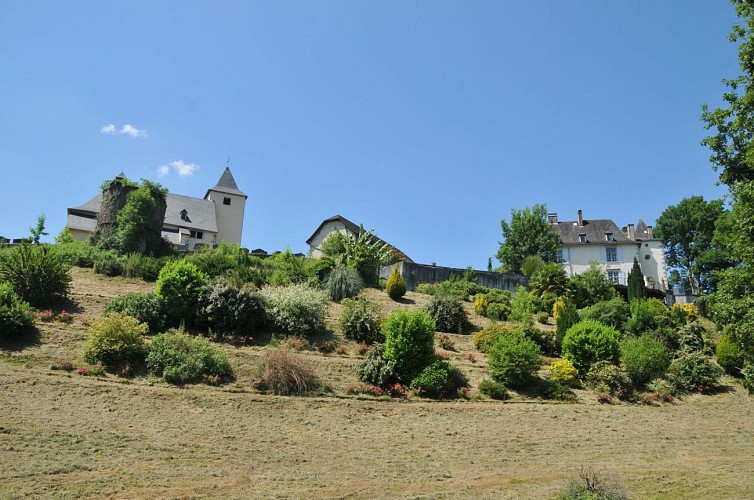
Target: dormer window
x: 609, y: 237
x: 582, y: 238
x: 184, y: 215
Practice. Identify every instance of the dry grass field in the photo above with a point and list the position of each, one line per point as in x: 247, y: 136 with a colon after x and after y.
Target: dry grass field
x: 63, y: 435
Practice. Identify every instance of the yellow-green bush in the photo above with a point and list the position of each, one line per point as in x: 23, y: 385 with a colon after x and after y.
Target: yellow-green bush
x: 563, y: 372
x: 480, y: 304
x: 395, y: 287
x: 116, y: 340
x: 484, y: 338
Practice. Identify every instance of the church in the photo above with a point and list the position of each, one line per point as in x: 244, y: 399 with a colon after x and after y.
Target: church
x: 190, y: 223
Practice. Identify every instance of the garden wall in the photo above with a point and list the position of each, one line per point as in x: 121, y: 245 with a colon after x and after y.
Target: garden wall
x: 413, y: 274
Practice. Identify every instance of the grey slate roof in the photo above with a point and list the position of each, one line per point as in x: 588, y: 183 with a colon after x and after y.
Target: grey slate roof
x: 227, y: 184
x: 353, y: 228
x: 642, y: 231
x: 201, y: 213
x: 594, y: 229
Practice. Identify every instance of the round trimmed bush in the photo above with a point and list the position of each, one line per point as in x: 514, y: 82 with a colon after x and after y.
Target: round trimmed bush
x: 590, y: 341
x: 645, y: 358
x: 342, y: 283
x: 395, y: 286
x: 409, y: 342
x: 180, y: 286
x: 438, y: 380
x: 513, y: 360
x: 605, y: 377
x: 448, y: 314
x: 179, y: 359
x: 494, y: 390
x: 564, y: 373
x: 614, y: 312
x: 360, y: 321
x: 145, y: 307
x: 116, y: 340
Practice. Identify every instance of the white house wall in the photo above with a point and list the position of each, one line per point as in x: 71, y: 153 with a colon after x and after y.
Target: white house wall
x: 322, y: 234
x: 229, y: 218
x: 578, y: 259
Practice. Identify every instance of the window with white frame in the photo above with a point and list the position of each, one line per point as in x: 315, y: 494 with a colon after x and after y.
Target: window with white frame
x: 611, y: 254
x: 582, y: 238
x: 609, y: 237
x: 613, y: 276
x: 559, y: 256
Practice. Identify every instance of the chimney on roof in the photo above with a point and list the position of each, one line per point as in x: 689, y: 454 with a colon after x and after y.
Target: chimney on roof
x: 631, y: 233
x: 552, y: 218
x: 650, y: 233
x: 581, y: 218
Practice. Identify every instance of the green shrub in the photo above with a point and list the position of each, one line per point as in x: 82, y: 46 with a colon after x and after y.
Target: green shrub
x: 614, y: 312
x: 588, y: 288
x: 16, y: 315
x: 485, y: 338
x: 550, y: 279
x: 284, y: 372
x: 448, y: 314
x: 375, y: 369
x: 593, y: 485
x: 180, y: 286
x: 438, y: 380
x: 180, y: 359
x: 542, y: 317
x: 498, y: 311
x: 564, y: 373
x: 513, y: 360
x: 590, y: 341
x: 360, y: 321
x: 109, y: 266
x: 567, y: 316
x: 645, y: 358
x: 691, y: 338
x: 409, y: 342
x: 232, y: 309
x: 81, y: 253
x: 494, y: 390
x: 395, y: 286
x: 694, y: 372
x: 523, y: 306
x: 146, y: 267
x: 545, y: 339
x: 664, y: 389
x: 748, y: 377
x: 145, y: 307
x: 606, y: 378
x: 648, y: 315
x: 296, y: 309
x: 730, y: 356
x: 342, y: 283
x: 37, y: 274
x: 115, y: 340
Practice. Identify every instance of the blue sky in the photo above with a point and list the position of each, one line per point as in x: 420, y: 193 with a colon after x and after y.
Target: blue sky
x: 427, y: 121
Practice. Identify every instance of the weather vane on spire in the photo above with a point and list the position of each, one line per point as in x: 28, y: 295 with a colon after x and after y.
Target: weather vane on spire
x: 227, y: 163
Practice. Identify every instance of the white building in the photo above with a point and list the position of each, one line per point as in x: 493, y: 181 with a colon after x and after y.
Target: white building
x: 584, y: 241
x: 344, y: 226
x: 190, y: 223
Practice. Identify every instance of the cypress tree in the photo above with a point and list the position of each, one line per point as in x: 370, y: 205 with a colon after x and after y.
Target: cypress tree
x: 636, y: 290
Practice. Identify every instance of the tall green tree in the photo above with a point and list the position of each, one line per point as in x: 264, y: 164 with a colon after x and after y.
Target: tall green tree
x: 39, y: 230
x: 636, y: 290
x: 528, y: 233
x: 732, y: 156
x: 688, y: 232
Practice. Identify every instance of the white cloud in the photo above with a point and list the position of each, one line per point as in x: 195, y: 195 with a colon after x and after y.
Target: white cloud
x: 179, y: 166
x: 126, y: 129
x: 129, y: 129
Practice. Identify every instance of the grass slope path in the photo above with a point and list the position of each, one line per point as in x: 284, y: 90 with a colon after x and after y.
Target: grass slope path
x: 67, y: 436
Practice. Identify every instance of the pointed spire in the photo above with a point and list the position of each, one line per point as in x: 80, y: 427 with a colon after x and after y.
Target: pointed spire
x: 227, y: 184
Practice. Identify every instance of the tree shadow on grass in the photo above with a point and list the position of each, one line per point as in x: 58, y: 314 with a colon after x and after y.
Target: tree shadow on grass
x: 29, y: 337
